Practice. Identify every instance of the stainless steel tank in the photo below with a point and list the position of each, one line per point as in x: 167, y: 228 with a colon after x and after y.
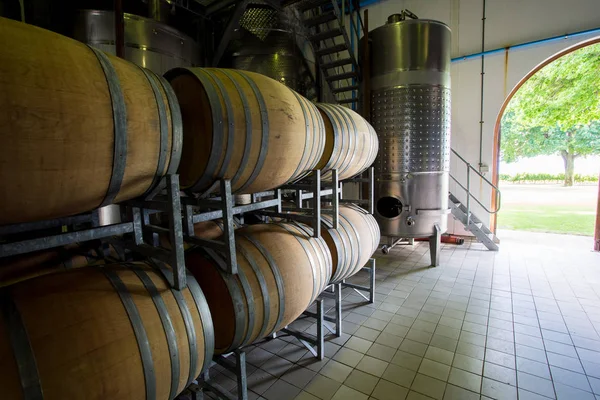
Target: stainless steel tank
x: 410, y: 110
x: 274, y: 43
x: 277, y: 57
x: 148, y: 43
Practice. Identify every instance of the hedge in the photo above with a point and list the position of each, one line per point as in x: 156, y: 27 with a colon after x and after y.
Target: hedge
x: 545, y: 178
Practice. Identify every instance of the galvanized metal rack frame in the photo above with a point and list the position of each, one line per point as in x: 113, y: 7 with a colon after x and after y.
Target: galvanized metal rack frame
x: 317, y: 190
x: 139, y: 226
x: 333, y: 323
x: 369, y: 201
x: 238, y: 367
x: 222, y: 207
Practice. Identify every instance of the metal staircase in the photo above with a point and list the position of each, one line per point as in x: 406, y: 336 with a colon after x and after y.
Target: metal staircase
x: 332, y: 45
x: 463, y: 213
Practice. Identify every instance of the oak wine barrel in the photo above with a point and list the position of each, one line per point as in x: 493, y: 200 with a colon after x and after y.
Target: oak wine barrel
x: 353, y: 243
x: 30, y: 265
x: 112, y: 332
x: 79, y: 128
x: 245, y: 127
x: 351, y: 143
x: 281, y: 271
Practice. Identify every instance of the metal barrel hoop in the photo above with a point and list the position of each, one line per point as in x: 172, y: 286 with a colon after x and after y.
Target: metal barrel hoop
x: 119, y: 112
x: 351, y: 137
x: 138, y: 328
x: 276, y: 275
x: 164, y: 129
x: 300, y: 169
x: 185, y: 315
x: 205, y: 317
x: 264, y: 145
x: 324, y: 252
x: 231, y: 122
x: 348, y: 227
x: 323, y: 107
x: 176, y: 126
x: 167, y: 325
x: 217, y: 132
x: 31, y: 384
x: 248, y: 117
x: 239, y: 306
x: 262, y: 283
x: 308, y: 254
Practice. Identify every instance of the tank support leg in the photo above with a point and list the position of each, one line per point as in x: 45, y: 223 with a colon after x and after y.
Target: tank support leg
x: 435, y: 242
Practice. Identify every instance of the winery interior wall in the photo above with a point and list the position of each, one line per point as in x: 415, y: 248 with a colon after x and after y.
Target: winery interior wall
x: 508, y: 23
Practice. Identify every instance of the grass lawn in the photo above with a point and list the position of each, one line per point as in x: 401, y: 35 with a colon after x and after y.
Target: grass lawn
x: 547, y: 218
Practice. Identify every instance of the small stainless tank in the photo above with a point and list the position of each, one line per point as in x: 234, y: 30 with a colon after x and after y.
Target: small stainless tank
x: 410, y: 110
x: 148, y: 43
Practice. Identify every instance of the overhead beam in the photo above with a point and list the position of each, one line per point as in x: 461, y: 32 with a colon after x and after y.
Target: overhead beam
x: 232, y: 25
x: 218, y: 6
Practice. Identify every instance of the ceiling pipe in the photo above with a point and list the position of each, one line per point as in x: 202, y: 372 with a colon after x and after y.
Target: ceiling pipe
x: 527, y: 44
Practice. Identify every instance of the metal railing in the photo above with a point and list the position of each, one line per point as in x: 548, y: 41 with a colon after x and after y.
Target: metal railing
x: 468, y: 189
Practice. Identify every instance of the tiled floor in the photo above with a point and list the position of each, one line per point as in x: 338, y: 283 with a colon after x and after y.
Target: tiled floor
x: 521, y: 323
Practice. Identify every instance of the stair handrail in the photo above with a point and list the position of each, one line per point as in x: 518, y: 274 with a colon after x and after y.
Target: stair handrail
x: 468, y: 188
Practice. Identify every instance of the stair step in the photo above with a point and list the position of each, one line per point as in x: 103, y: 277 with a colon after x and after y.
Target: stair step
x: 347, y: 101
x: 339, y: 77
x: 320, y: 19
x: 344, y: 89
x: 337, y: 63
x: 310, y: 4
x: 478, y: 224
x: 457, y: 205
x: 330, y: 50
x: 326, y: 35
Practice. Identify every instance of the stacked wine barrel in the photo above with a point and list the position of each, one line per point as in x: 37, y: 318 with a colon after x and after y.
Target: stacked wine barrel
x: 245, y: 127
x: 81, y: 130
x: 281, y: 271
x: 352, y: 243
x: 116, y: 332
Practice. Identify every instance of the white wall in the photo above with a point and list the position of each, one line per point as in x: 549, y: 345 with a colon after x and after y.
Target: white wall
x: 508, y: 22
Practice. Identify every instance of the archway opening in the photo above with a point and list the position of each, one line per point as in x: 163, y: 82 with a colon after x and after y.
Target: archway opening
x: 548, y: 145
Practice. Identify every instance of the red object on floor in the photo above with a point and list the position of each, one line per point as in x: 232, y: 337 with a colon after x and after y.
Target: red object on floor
x: 446, y: 239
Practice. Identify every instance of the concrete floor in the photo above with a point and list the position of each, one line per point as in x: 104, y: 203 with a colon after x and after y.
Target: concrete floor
x: 520, y: 323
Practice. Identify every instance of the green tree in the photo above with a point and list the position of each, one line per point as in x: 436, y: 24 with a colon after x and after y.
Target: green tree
x: 557, y: 111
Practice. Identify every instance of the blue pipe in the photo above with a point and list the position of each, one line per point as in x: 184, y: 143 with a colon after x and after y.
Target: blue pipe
x: 526, y: 44
x: 365, y: 3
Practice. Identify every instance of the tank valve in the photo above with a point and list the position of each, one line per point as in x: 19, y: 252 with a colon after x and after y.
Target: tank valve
x: 410, y: 221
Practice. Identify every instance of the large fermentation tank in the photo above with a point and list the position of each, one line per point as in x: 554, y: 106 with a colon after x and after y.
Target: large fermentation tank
x: 274, y: 43
x: 148, y: 43
x: 410, y: 110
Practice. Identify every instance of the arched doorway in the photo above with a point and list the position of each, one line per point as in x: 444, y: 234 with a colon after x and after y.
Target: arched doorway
x: 498, y: 124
